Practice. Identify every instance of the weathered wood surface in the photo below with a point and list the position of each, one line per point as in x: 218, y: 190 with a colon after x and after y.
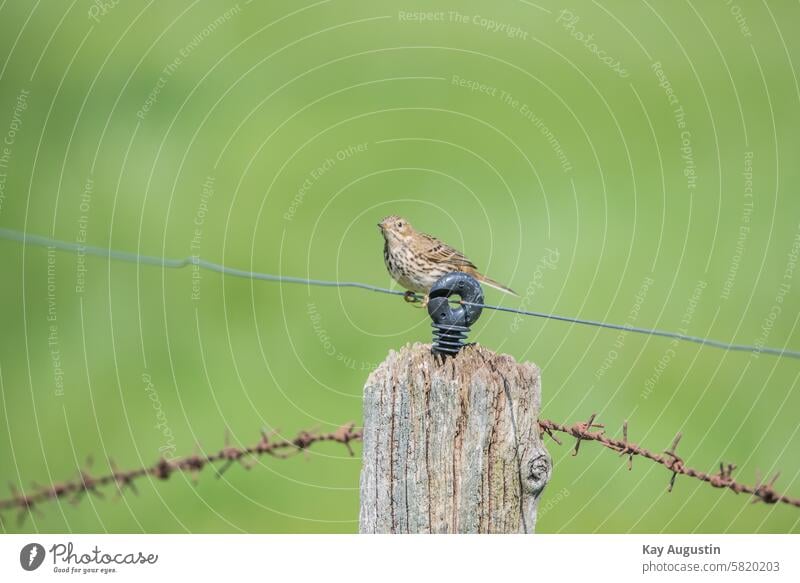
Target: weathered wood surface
x: 453, y: 445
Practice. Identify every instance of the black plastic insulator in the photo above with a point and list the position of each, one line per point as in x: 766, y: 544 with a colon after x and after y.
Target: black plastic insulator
x: 451, y: 323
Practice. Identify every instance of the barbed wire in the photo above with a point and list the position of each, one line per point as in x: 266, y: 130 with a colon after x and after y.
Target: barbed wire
x: 71, y: 247
x: 163, y: 469
x: 761, y: 491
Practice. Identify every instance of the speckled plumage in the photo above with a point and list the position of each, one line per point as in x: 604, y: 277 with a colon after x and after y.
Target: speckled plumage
x: 416, y: 260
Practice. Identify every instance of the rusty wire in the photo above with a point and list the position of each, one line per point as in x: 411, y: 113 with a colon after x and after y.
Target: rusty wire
x: 283, y: 448
x: 762, y: 491
x: 163, y: 469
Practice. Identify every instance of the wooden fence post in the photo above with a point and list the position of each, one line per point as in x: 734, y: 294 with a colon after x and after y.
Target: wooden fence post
x: 452, y: 445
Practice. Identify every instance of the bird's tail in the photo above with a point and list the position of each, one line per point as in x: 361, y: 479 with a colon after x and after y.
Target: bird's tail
x: 494, y: 284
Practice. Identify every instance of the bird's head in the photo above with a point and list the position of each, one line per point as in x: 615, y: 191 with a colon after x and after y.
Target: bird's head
x: 396, y: 229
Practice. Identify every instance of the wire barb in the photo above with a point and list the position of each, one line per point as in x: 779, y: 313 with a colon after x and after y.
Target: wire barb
x: 626, y: 450
x: 585, y: 427
x: 674, y: 462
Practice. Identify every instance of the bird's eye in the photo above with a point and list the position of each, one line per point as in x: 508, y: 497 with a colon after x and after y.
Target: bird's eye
x: 399, y: 223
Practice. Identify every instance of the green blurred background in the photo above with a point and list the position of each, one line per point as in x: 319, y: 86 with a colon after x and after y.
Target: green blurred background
x: 547, y: 146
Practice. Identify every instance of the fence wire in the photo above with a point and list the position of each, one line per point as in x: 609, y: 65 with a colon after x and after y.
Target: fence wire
x: 163, y: 469
x: 111, y: 254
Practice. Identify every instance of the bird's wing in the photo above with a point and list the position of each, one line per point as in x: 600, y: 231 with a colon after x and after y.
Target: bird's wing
x: 437, y: 252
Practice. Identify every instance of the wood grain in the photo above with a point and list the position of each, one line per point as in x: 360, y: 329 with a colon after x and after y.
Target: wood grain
x: 452, y: 445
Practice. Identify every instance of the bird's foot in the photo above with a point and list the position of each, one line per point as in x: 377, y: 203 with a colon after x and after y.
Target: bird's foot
x: 412, y: 298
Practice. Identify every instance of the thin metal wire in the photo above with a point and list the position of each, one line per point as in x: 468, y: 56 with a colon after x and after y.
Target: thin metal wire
x: 39, y: 241
x: 649, y: 331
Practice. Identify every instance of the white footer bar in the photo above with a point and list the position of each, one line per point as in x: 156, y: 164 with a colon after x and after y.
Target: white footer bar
x: 117, y: 558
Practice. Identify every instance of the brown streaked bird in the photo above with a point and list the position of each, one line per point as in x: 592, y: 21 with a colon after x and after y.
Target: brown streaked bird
x: 416, y: 260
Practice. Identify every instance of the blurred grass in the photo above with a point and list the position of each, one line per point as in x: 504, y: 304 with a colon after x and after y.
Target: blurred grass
x: 275, y: 91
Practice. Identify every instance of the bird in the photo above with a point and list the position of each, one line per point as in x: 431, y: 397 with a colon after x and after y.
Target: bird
x: 417, y: 260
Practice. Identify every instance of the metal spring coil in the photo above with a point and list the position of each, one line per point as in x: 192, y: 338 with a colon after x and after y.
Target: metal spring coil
x: 448, y: 339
